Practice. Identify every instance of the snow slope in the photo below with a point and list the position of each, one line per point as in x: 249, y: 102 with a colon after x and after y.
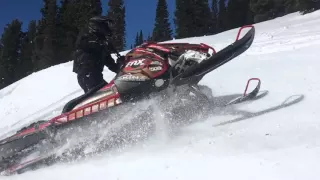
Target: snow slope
x: 276, y: 137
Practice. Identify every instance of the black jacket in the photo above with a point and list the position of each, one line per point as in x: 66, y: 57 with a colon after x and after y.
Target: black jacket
x: 92, y: 54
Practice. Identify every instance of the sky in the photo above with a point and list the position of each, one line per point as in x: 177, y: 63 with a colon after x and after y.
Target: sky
x: 140, y: 14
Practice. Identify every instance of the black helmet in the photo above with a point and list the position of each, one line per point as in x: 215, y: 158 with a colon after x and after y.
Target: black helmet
x: 100, y: 25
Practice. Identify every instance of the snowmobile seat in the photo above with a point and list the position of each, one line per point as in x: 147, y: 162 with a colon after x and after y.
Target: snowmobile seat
x: 74, y: 102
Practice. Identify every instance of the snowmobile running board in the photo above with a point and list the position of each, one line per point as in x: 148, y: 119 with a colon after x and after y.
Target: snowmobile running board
x: 26, y: 137
x: 77, y: 113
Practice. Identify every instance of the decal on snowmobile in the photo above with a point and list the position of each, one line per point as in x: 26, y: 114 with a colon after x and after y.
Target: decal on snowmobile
x: 159, y: 47
x: 140, y: 51
x: 156, y: 68
x: 97, y: 96
x: 130, y: 77
x: 156, y: 63
x: 136, y: 63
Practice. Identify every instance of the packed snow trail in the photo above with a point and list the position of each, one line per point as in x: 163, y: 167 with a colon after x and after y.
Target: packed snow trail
x: 276, y: 137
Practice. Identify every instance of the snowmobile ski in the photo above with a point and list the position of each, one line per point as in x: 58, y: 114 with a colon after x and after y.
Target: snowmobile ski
x: 28, y: 165
x: 247, y: 96
x: 25, y: 140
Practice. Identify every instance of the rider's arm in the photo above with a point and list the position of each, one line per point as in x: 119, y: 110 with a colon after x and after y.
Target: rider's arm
x: 111, y: 64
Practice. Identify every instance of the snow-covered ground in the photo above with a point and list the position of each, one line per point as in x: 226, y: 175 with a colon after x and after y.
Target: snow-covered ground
x: 274, y: 138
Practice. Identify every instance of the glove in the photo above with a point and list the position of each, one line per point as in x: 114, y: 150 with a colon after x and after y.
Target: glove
x: 114, y: 68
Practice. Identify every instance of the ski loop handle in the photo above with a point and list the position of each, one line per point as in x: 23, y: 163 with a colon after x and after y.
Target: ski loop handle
x: 240, y: 30
x: 248, y: 83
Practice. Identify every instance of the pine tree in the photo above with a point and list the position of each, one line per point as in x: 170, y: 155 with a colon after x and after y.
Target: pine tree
x: 214, y: 7
x: 1, y: 47
x: 280, y: 9
x: 214, y: 16
x: 237, y: 14
x: 149, y: 38
x: 183, y: 14
x: 72, y: 16
x: 116, y: 12
x: 46, y: 40
x: 67, y: 29
x: 307, y: 6
x: 141, y: 38
x: 2, y: 69
x: 222, y: 17
x: 11, y: 46
x: 97, y: 7
x: 201, y: 19
x: 27, y: 55
x: 85, y: 9
x: 290, y: 6
x: 162, y: 30
x: 263, y: 10
x: 268, y: 9
x: 136, y: 43
x: 194, y: 18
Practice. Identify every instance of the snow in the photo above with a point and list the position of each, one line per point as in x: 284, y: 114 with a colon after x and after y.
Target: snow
x: 276, y: 137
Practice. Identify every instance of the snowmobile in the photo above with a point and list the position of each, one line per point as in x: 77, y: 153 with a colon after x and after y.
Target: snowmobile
x: 139, y: 78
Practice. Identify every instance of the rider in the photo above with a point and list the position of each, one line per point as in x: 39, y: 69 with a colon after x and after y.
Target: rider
x: 93, y: 52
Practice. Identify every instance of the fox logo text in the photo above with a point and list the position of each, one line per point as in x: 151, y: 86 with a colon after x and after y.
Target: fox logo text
x: 136, y: 63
